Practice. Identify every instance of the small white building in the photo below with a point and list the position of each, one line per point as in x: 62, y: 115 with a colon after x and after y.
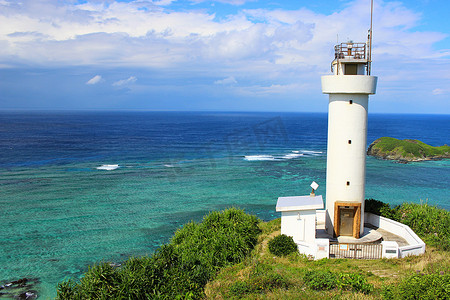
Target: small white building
x: 298, y: 217
x: 298, y: 220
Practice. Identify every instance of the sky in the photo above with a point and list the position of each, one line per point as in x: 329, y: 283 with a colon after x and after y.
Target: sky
x: 224, y: 55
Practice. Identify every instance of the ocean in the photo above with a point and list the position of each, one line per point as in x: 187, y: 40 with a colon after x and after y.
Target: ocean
x: 78, y: 188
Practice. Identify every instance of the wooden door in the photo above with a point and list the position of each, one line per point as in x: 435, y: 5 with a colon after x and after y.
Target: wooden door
x: 346, y: 219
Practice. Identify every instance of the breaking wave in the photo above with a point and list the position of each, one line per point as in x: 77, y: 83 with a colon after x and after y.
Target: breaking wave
x: 258, y: 157
x: 293, y: 155
x: 108, y: 167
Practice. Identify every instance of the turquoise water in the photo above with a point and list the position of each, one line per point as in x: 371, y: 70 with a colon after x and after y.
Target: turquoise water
x: 60, y: 213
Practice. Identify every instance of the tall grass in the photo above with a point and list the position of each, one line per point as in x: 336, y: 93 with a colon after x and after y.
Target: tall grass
x: 431, y: 223
x: 178, y: 270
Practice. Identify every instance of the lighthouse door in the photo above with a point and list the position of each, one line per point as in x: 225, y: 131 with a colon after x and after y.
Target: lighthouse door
x: 346, y: 217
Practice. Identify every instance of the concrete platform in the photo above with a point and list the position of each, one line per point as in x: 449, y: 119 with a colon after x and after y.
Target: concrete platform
x: 389, y: 236
x: 369, y: 236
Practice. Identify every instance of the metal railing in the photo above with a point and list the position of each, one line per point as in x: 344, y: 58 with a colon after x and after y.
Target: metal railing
x: 356, y: 251
x: 350, y: 50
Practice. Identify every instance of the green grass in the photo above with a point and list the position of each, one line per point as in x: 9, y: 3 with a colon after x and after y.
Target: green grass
x: 407, y: 149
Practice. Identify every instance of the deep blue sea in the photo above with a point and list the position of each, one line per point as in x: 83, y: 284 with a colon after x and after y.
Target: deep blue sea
x: 78, y: 188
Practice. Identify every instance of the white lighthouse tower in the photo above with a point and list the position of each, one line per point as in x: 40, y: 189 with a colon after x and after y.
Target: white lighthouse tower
x: 349, y: 88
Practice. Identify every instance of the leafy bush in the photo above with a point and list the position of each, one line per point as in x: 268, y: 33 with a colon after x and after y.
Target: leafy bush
x: 178, y: 270
x: 220, y: 239
x: 354, y: 282
x: 380, y: 208
x: 320, y: 280
x: 327, y: 280
x: 420, y: 286
x: 282, y: 245
x: 431, y: 223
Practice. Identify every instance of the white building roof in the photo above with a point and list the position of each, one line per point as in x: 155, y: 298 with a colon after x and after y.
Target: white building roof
x: 297, y: 203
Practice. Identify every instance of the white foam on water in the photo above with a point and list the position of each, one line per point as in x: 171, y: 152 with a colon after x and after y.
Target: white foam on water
x: 311, y: 152
x: 108, y: 167
x: 258, y: 157
x: 292, y: 155
x: 169, y: 166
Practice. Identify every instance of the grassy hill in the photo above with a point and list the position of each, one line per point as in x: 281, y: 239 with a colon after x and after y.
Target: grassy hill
x: 263, y: 275
x: 406, y: 150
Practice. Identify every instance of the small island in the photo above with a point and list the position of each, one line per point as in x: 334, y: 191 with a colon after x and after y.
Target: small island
x: 406, y: 150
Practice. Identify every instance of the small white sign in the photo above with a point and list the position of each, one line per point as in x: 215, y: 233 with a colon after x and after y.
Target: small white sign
x: 314, y: 185
x: 343, y: 247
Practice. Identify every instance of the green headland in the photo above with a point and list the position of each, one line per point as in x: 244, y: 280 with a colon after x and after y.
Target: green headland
x: 406, y: 150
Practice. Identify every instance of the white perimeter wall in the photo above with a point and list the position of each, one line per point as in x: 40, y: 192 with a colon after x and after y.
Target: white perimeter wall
x: 415, y: 245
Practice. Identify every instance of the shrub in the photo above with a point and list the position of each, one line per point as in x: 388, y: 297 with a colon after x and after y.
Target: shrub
x: 99, y: 282
x: 320, y: 280
x: 431, y: 223
x: 380, y: 208
x: 282, y: 245
x: 354, y: 282
x: 420, y: 286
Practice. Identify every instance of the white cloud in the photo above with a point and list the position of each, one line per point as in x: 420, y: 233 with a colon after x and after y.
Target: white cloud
x: 438, y: 92
x: 122, y: 82
x: 94, y: 80
x: 275, y: 49
x: 232, y: 2
x: 226, y: 81
x: 163, y: 2
x: 140, y: 33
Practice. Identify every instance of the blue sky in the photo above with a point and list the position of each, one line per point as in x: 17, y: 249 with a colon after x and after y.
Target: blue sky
x: 227, y: 55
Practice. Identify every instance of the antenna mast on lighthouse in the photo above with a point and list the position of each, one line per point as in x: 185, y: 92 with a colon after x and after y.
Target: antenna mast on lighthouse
x: 369, y: 61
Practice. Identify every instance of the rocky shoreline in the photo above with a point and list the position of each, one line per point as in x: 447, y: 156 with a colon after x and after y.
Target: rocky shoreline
x: 23, y: 289
x: 407, y: 150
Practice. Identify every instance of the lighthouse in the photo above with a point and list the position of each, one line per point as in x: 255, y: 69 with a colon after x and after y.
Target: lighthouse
x: 348, y: 88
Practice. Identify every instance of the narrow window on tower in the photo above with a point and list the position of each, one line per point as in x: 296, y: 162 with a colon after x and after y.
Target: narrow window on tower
x: 349, y: 142
x: 348, y: 183
x: 350, y: 101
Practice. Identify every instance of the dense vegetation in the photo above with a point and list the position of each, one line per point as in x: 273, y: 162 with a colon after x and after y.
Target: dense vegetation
x: 227, y: 256
x: 178, y: 270
x: 431, y: 223
x: 406, y: 150
x: 420, y: 286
